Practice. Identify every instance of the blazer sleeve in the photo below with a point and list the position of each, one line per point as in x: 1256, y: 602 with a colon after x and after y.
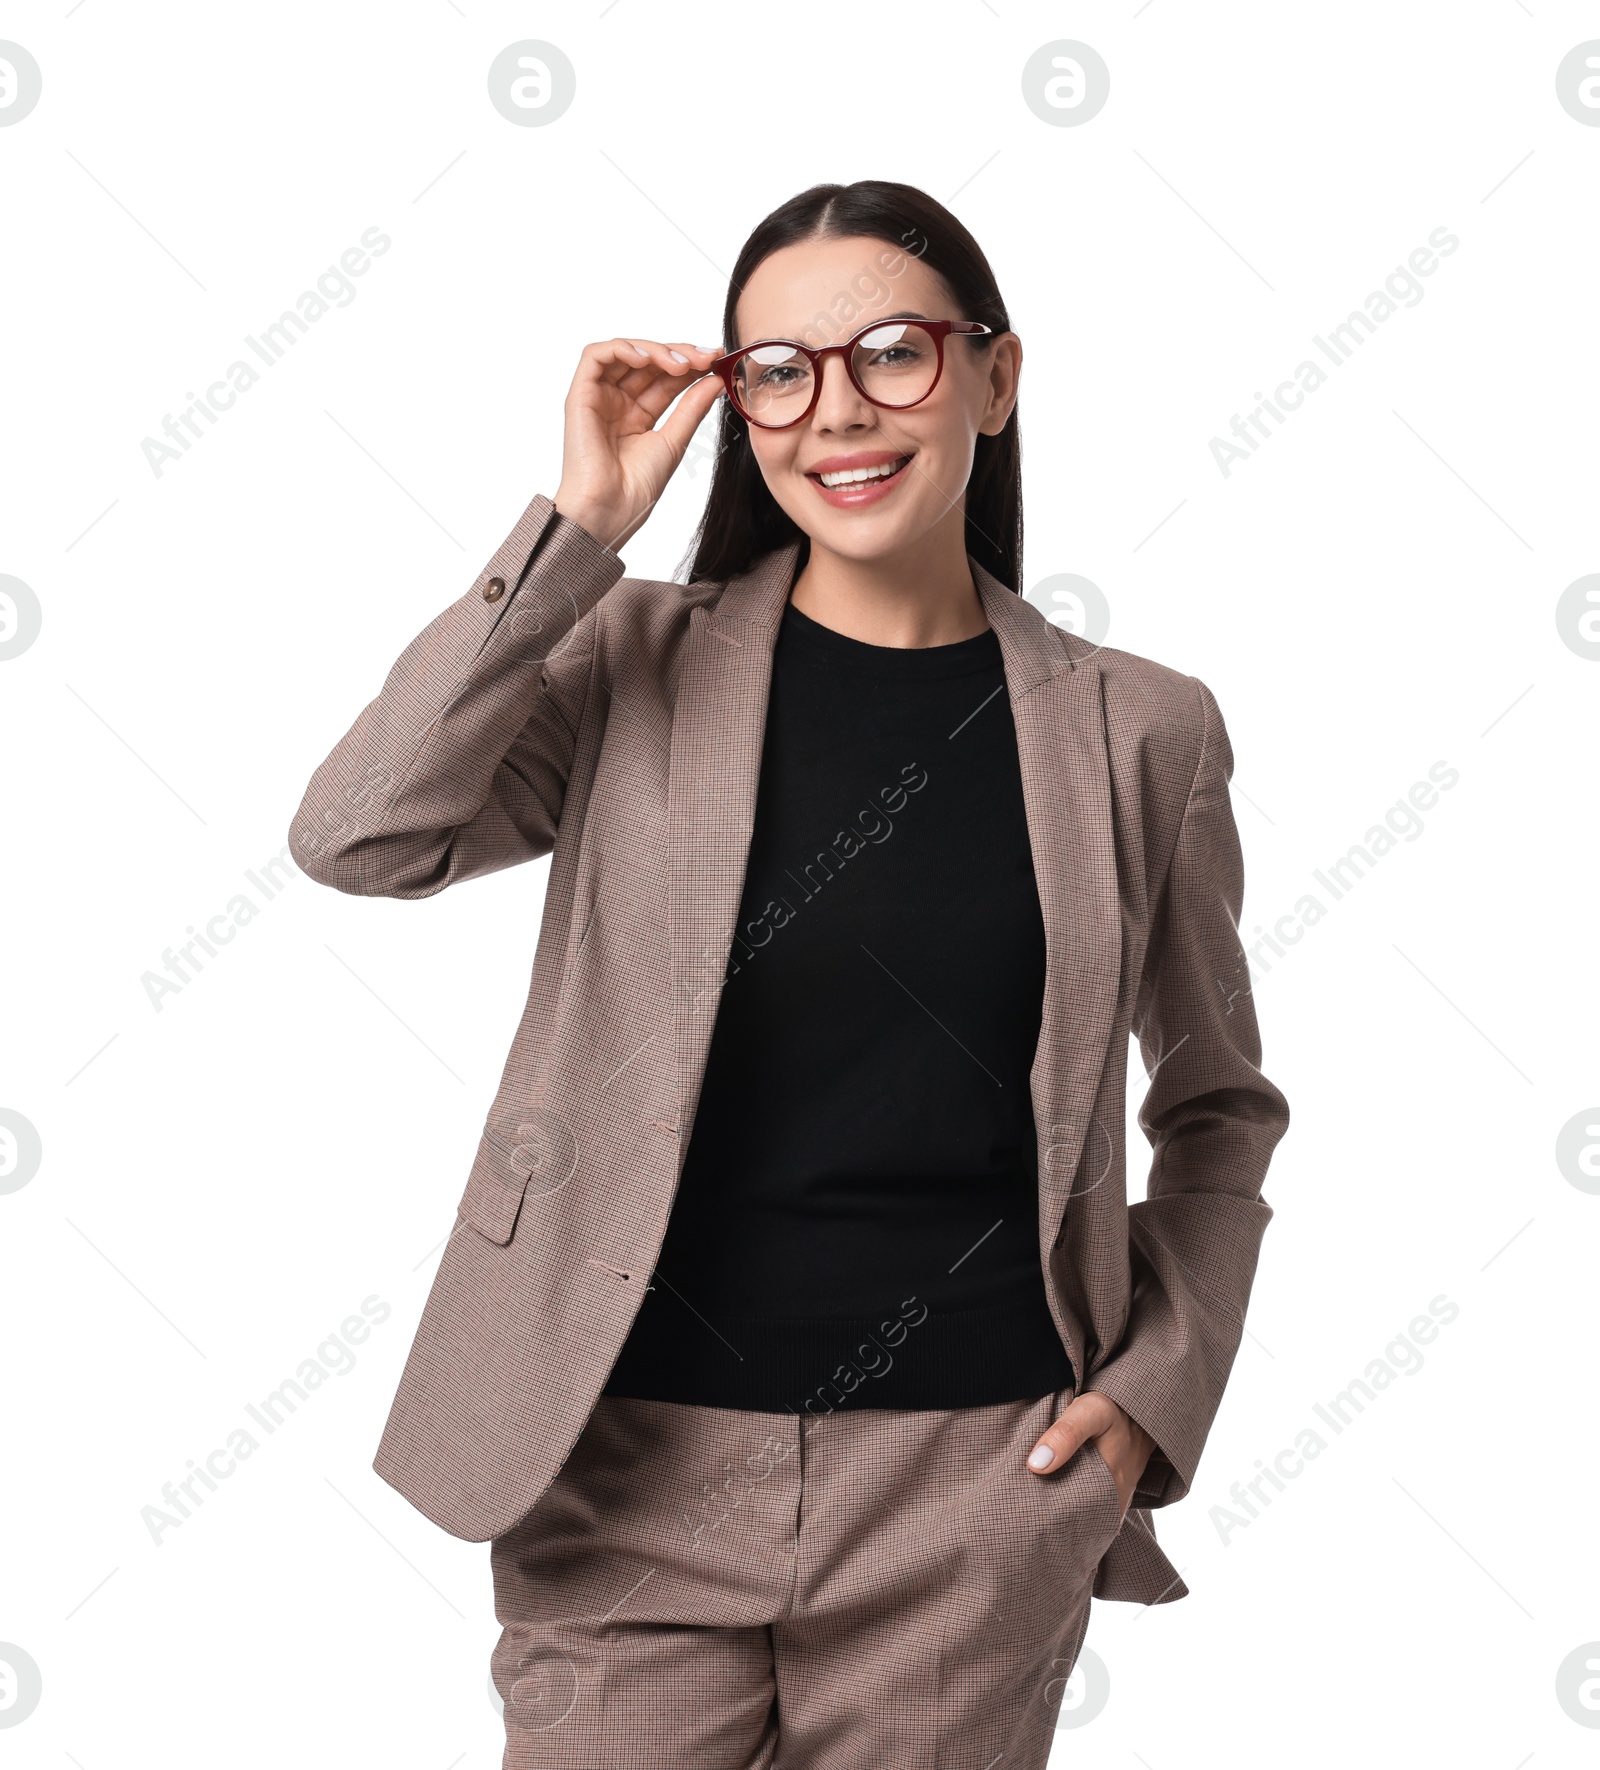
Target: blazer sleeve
x: 1213, y: 1120
x: 460, y: 765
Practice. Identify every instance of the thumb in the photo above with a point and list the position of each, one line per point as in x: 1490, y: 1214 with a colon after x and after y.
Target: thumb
x: 1073, y: 1428
x: 689, y: 413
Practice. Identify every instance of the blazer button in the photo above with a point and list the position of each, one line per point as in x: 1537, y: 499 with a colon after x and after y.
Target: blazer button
x: 494, y: 590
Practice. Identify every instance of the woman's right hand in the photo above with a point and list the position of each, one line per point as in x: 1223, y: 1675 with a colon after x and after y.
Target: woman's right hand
x: 615, y: 463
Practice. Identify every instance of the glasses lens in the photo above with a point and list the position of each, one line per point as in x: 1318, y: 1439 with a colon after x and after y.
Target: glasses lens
x: 772, y: 383
x: 896, y: 363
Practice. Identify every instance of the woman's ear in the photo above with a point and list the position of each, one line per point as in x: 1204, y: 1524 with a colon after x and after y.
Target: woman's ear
x: 1005, y: 371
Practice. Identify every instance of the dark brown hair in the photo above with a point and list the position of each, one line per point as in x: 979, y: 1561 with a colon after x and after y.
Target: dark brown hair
x: 742, y: 519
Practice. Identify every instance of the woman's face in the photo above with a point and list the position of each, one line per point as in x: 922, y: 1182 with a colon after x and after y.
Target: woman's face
x: 804, y: 292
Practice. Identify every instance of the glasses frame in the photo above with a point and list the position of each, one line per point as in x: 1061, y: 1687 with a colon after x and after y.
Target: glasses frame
x: 723, y: 366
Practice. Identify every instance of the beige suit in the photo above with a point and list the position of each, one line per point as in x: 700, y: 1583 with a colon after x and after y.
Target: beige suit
x: 618, y: 726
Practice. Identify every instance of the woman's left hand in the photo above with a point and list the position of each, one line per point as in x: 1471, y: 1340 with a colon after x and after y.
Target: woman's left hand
x: 1125, y: 1446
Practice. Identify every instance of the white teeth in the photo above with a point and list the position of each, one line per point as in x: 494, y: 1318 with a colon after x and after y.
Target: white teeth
x: 859, y: 473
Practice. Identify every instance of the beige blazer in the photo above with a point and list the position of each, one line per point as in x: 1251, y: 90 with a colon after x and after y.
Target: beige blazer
x: 617, y: 726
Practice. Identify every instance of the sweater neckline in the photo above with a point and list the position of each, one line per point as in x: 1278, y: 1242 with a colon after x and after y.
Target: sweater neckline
x: 962, y: 657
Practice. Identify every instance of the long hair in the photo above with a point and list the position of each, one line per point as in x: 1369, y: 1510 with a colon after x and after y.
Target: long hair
x: 742, y: 520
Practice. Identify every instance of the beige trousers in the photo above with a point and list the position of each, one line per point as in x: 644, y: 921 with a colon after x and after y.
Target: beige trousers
x: 706, y: 1589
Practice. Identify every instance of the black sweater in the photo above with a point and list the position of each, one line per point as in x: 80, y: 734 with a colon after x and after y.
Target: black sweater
x: 857, y: 1219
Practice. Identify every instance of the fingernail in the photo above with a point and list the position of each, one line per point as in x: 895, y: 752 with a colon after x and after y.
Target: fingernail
x: 1043, y: 1456
x: 677, y: 356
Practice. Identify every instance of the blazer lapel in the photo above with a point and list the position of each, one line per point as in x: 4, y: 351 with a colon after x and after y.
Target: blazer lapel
x: 1054, y: 685
x: 718, y: 724
x: 1054, y: 681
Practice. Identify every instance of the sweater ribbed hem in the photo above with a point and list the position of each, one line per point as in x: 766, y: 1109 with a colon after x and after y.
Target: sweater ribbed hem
x: 921, y: 1357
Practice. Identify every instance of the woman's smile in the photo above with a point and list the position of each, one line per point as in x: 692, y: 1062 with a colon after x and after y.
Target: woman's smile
x: 847, y: 481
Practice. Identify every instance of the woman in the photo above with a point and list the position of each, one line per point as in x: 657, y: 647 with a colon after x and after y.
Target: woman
x: 804, y: 1439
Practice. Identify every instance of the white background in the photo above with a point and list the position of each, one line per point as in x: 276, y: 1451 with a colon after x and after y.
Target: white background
x: 1373, y: 591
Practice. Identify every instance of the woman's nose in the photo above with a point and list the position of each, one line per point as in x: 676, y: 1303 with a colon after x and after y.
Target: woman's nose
x: 840, y: 402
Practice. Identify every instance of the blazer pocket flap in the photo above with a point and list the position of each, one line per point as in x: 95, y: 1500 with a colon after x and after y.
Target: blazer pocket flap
x: 495, y: 1188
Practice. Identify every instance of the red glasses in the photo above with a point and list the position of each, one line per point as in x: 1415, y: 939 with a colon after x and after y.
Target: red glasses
x: 893, y: 363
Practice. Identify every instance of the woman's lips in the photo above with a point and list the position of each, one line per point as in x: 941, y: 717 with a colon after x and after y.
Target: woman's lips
x: 862, y: 491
